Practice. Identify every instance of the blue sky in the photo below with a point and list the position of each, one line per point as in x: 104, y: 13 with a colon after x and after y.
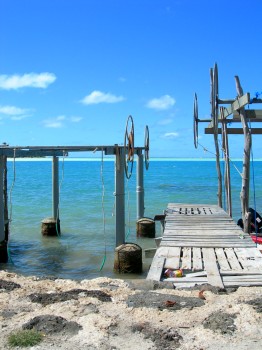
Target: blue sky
x: 73, y: 70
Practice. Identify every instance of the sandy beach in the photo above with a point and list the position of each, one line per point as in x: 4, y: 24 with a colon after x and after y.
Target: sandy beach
x: 105, y: 313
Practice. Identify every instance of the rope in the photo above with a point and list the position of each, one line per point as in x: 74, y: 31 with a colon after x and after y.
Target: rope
x: 103, y: 207
x: 206, y: 150
x: 214, y: 154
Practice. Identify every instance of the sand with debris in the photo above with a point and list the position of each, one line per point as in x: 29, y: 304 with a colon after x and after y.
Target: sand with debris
x: 105, y: 314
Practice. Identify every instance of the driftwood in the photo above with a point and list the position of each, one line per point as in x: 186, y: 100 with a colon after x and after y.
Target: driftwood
x: 244, y: 194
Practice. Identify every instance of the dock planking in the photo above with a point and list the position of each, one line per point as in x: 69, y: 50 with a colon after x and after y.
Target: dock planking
x: 205, y: 242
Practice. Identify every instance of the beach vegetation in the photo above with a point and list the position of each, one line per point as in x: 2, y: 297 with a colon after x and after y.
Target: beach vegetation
x: 25, y: 338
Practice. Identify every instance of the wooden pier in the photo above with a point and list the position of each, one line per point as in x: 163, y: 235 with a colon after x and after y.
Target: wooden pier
x: 206, y: 243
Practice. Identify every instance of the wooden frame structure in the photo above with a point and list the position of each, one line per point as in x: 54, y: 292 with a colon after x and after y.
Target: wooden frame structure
x: 203, y: 240
x: 124, y: 158
x: 223, y: 113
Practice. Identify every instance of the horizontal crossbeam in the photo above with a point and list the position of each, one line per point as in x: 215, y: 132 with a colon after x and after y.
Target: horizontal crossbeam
x: 234, y: 131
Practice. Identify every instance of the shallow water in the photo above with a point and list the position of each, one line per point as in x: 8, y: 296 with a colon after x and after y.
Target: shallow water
x: 87, y: 217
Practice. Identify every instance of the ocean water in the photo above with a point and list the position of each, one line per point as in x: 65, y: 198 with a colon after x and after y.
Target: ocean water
x: 87, y: 210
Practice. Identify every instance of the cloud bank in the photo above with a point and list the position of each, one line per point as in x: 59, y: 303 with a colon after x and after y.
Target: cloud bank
x: 15, y: 113
x: 171, y: 135
x: 100, y: 97
x: 161, y: 103
x: 14, y: 82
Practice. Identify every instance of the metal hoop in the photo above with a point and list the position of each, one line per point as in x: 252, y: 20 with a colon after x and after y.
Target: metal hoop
x: 146, y: 147
x: 214, y: 97
x: 195, y: 121
x: 129, y: 148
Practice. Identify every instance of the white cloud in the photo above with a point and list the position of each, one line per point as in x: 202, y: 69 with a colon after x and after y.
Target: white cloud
x: 42, y: 80
x: 12, y: 110
x: 54, y: 122
x: 165, y: 121
x: 100, y: 97
x: 171, y: 135
x: 60, y: 121
x: 75, y: 119
x: 161, y: 103
x: 15, y: 113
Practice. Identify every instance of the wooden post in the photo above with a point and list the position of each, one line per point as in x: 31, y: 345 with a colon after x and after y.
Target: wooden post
x: 6, y: 219
x: 3, y: 241
x: 244, y: 194
x: 51, y: 226
x: 120, y: 196
x: 227, y: 165
x: 55, y: 187
x: 140, y: 186
x: 214, y: 98
x: 2, y: 206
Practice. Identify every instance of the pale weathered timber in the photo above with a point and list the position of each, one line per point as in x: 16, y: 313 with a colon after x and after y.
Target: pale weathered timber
x: 222, y: 257
x: 246, y: 162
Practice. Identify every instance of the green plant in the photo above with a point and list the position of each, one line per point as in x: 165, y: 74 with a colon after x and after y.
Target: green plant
x: 24, y: 338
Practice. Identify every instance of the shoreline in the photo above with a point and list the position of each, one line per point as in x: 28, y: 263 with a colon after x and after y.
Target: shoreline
x: 105, y: 313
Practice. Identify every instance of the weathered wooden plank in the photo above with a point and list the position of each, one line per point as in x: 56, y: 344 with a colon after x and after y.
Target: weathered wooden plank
x: 233, y: 131
x: 240, y: 272
x: 150, y: 252
x: 172, y: 255
x: 192, y: 229
x: 156, y: 268
x: 254, y: 115
x: 222, y: 259
x: 186, y: 259
x: 205, y: 244
x: 232, y: 259
x: 249, y: 258
x: 197, y: 259
x: 243, y: 278
x: 196, y: 280
x: 210, y: 265
x: 241, y: 284
x: 196, y: 274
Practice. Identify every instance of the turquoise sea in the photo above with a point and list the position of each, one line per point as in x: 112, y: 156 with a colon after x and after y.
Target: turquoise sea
x: 87, y: 210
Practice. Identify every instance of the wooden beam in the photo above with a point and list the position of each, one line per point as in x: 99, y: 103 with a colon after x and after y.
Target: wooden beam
x: 234, y: 131
x: 254, y: 114
x: 240, y: 102
x: 213, y: 275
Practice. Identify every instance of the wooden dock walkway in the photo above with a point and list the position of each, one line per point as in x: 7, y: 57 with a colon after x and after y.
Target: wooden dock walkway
x: 206, y: 243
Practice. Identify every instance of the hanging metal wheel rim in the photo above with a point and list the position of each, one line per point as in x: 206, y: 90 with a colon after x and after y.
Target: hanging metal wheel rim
x: 195, y: 121
x: 215, y: 99
x: 129, y: 147
x: 146, y: 147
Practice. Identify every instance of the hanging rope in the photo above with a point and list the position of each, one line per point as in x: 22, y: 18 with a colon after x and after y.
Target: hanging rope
x: 206, y: 150
x: 214, y: 154
x: 103, y: 208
